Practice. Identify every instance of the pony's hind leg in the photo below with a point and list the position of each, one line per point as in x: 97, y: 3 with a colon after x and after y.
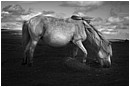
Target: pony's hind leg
x: 80, y: 45
x: 26, y: 49
x: 29, y: 51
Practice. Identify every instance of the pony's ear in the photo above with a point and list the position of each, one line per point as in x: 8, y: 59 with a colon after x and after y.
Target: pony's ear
x: 75, y: 17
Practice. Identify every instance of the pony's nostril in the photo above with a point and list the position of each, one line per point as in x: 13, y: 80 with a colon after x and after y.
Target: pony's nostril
x: 105, y: 63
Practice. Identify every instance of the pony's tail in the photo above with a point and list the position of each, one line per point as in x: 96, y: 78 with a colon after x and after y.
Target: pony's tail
x: 25, y: 34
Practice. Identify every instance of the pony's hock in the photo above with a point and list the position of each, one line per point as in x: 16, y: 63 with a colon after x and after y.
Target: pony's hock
x: 59, y: 32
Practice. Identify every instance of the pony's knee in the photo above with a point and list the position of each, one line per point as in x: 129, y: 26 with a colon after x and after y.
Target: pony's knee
x: 34, y: 42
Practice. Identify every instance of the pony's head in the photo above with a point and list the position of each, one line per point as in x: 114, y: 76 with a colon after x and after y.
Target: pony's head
x: 104, y: 55
x: 102, y: 45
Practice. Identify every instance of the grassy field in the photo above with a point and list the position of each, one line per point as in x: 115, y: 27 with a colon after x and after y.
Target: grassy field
x: 48, y: 68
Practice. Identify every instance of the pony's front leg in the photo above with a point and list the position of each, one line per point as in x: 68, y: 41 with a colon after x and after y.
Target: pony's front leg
x: 75, y: 51
x: 80, y: 45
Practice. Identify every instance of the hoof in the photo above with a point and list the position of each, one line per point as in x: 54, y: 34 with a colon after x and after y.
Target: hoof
x: 30, y: 64
x: 23, y: 63
x: 84, y: 61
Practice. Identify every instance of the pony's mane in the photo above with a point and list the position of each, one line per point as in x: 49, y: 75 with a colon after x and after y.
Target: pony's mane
x: 97, y: 39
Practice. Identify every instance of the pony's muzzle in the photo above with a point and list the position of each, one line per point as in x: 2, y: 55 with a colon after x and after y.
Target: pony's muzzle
x: 105, y: 63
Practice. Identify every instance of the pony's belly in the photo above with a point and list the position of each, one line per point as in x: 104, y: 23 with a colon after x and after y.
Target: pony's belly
x: 57, y: 39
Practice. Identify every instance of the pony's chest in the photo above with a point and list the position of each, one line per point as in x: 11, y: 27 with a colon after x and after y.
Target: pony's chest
x: 56, y: 38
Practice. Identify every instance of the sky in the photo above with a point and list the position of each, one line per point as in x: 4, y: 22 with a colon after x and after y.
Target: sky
x: 111, y: 17
x: 93, y: 8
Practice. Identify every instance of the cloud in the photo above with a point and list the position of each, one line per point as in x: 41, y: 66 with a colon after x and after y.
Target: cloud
x: 11, y: 18
x: 12, y: 13
x: 114, y: 25
x: 117, y: 12
x: 81, y: 3
x: 115, y: 3
x: 119, y: 22
x: 26, y: 2
x: 11, y: 25
x: 48, y: 12
x: 27, y: 17
x: 84, y: 9
x: 126, y: 18
x: 118, y: 17
x: 4, y: 14
x: 113, y: 12
x: 115, y: 19
x: 109, y: 31
x: 14, y: 9
x: 82, y: 6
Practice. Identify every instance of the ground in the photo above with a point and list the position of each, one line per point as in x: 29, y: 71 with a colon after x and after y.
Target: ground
x: 49, y: 68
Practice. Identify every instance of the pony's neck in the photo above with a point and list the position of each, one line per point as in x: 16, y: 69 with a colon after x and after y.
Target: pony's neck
x: 95, y: 37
